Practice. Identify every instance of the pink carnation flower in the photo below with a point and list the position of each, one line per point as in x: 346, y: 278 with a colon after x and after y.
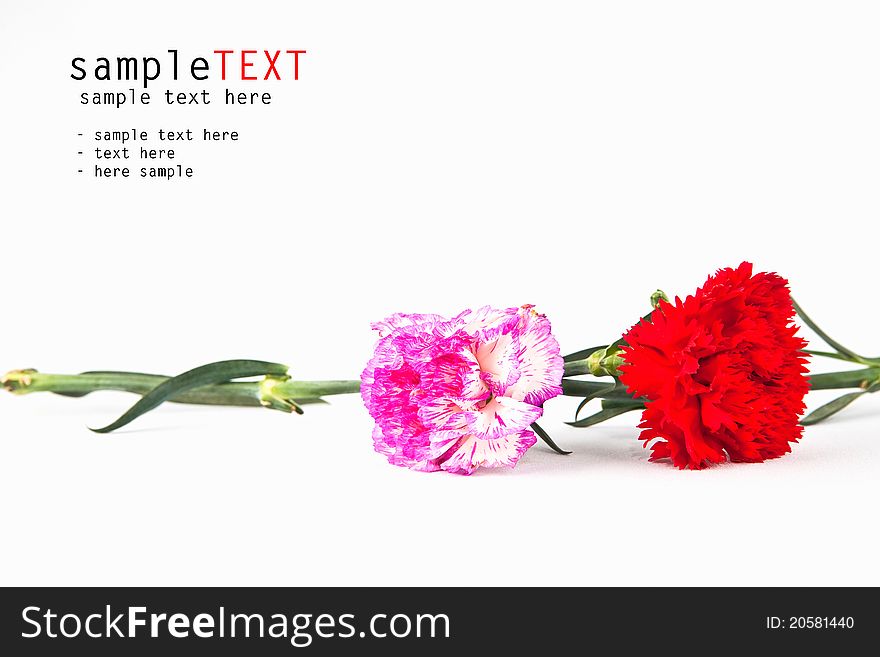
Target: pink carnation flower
x: 456, y: 394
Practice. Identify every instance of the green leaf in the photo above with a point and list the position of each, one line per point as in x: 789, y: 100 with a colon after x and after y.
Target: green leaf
x: 578, y: 388
x: 633, y: 404
x: 839, y: 348
x: 627, y: 403
x: 583, y: 353
x: 827, y: 410
x: 584, y: 402
x: 210, y: 374
x: 837, y: 405
x: 601, y: 416
x: 590, y: 396
x: 547, y: 439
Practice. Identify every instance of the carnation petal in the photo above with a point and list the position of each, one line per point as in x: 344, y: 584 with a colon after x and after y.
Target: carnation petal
x: 461, y: 391
x: 501, y: 416
x: 399, y: 321
x: 471, y: 452
x: 540, y: 363
x: 723, y: 372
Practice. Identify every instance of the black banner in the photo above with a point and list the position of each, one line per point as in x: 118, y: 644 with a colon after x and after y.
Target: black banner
x: 276, y: 621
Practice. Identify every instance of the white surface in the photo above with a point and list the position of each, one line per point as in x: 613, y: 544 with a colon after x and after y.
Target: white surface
x: 569, y: 155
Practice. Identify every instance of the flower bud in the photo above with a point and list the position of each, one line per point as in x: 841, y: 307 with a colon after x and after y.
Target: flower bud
x: 605, y: 362
x: 657, y: 297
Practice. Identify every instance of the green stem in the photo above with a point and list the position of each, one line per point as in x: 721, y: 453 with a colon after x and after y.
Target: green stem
x: 862, y: 378
x: 576, y: 367
x: 253, y: 393
x: 78, y: 385
x: 238, y: 393
x: 828, y: 354
x: 313, y: 389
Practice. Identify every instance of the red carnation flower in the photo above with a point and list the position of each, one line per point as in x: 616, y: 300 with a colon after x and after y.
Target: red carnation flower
x: 723, y: 372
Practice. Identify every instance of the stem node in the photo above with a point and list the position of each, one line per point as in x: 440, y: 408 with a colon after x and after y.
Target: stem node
x: 17, y: 381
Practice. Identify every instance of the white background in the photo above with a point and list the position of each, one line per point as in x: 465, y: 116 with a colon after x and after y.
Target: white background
x: 432, y: 157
